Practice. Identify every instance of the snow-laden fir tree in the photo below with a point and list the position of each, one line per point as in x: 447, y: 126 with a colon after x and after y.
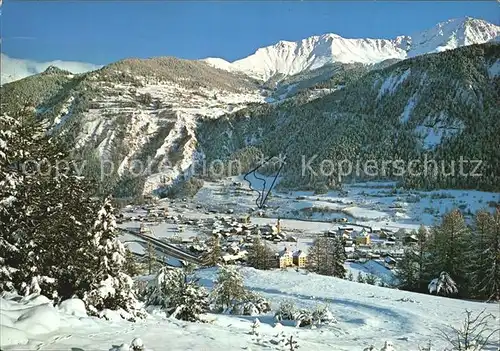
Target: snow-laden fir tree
x: 286, y: 311
x: 44, y: 203
x: 178, y: 293
x: 9, y: 181
x: 371, y: 279
x: 350, y: 276
x: 443, y: 285
x: 113, y: 288
x: 323, y: 316
x: 21, y: 143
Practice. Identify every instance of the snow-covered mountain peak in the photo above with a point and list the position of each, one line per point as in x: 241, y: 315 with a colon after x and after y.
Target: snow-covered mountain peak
x: 452, y: 34
x: 288, y: 58
x: 292, y: 57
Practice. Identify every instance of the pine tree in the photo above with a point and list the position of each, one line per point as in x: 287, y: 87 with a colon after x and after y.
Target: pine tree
x: 485, y: 256
x: 360, y: 278
x: 407, y: 272
x: 228, y: 289
x: 327, y: 256
x: 47, y: 204
x: 190, y: 301
x: 448, y: 249
x: 152, y: 258
x: 260, y: 256
x: 214, y: 254
x: 371, y: 279
x: 50, y: 217
x: 131, y: 266
x: 421, y: 257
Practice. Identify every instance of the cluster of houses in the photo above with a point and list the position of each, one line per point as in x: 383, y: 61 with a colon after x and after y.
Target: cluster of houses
x: 237, y: 235
x: 367, y: 237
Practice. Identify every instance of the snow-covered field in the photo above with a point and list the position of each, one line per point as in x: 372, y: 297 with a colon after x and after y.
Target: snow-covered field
x: 366, y: 315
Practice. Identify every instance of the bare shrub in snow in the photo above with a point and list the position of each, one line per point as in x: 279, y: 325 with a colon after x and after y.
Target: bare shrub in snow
x: 387, y: 347
x: 474, y: 334
x: 291, y: 344
x: 279, y: 339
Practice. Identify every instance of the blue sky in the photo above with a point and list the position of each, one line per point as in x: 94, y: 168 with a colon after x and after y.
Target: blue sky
x: 101, y: 32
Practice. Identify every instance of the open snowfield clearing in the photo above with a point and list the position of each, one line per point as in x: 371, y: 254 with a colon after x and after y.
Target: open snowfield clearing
x: 376, y: 204
x: 366, y: 315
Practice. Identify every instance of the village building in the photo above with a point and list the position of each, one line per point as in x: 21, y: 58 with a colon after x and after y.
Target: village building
x: 389, y: 262
x: 362, y: 237
x: 300, y: 258
x: 285, y: 258
x: 410, y: 239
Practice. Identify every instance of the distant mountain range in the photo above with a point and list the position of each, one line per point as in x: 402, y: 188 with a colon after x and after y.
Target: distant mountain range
x: 289, y: 58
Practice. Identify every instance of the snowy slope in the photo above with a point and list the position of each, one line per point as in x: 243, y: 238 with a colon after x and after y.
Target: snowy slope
x: 290, y: 58
x: 366, y: 315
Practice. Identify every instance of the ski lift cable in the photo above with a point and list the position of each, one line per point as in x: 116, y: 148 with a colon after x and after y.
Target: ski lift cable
x: 262, y: 194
